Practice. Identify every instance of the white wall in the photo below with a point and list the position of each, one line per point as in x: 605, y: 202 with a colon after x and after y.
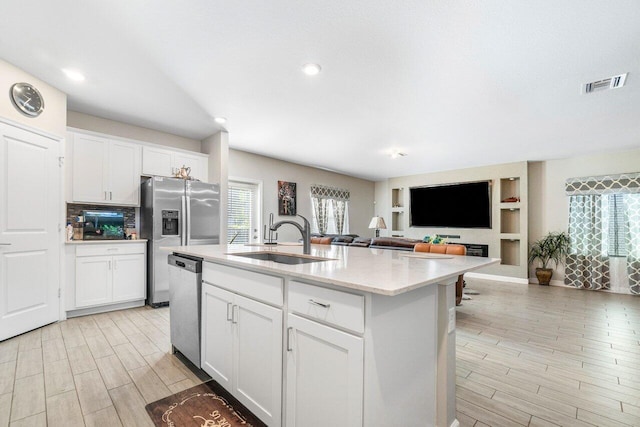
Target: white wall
x: 54, y: 116
x: 270, y: 171
x: 124, y: 130
x: 217, y: 147
x: 549, y: 205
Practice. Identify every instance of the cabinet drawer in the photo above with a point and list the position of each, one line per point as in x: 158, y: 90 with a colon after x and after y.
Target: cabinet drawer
x: 334, y: 307
x: 110, y: 249
x: 258, y: 286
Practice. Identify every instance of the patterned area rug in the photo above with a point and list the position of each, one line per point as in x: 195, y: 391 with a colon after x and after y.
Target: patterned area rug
x: 205, y: 405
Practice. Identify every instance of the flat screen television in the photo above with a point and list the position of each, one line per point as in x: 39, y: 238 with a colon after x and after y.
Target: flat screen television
x: 465, y: 205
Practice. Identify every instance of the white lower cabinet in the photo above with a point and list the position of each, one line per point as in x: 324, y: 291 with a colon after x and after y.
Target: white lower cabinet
x: 109, y: 274
x: 325, y: 369
x: 242, y: 350
x: 93, y: 280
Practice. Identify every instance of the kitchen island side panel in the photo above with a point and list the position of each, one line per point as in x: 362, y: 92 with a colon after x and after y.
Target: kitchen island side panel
x: 400, y: 358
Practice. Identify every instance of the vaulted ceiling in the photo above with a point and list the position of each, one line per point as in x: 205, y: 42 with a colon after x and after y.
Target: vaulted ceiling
x: 452, y: 84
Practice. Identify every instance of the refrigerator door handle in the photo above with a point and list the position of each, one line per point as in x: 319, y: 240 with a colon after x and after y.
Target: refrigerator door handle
x: 183, y: 222
x: 188, y: 204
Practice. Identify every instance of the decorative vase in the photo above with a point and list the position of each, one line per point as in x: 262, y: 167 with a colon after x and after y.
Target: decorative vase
x: 544, y: 275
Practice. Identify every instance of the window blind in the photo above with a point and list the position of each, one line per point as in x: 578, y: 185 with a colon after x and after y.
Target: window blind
x: 239, y: 209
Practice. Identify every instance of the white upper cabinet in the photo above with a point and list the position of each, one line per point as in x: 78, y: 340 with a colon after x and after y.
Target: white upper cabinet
x: 163, y: 162
x: 105, y: 171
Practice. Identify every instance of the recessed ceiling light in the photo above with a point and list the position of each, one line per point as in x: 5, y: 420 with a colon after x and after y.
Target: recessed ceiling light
x: 311, y: 69
x: 74, y: 75
x: 220, y: 120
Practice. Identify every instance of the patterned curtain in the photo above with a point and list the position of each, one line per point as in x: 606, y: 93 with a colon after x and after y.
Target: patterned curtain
x: 339, y: 208
x: 320, y: 210
x: 323, y: 197
x: 587, y: 265
x: 632, y: 208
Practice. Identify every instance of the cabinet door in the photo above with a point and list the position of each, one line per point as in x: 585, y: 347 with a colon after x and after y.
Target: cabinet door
x: 258, y: 359
x: 324, y: 375
x: 93, y: 280
x: 217, y: 334
x: 156, y: 162
x: 196, y: 164
x: 128, y: 277
x: 124, y: 174
x: 90, y: 159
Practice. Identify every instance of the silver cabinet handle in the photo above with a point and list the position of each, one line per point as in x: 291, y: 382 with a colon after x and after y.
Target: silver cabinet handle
x: 105, y: 196
x: 289, y: 330
x: 234, y: 316
x: 229, y: 315
x: 110, y: 195
x: 319, y: 304
x: 109, y: 265
x: 5, y: 244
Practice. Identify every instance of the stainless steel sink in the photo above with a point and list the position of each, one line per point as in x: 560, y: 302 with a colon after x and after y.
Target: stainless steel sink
x: 280, y: 258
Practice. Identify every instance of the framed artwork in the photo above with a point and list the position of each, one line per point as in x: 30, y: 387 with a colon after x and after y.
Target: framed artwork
x: 286, y: 198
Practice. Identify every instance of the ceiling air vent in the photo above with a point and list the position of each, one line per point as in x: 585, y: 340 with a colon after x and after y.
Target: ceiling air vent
x: 605, y: 84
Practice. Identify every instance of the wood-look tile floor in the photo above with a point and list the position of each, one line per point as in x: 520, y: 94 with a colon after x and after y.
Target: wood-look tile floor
x: 98, y: 370
x: 545, y: 356
x: 526, y: 355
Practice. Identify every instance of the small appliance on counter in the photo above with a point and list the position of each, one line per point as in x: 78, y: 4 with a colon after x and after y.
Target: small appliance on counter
x: 103, y: 225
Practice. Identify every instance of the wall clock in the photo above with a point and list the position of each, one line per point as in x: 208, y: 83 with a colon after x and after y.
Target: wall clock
x: 27, y: 99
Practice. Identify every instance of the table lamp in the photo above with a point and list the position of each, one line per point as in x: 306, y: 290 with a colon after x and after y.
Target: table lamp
x: 377, y: 222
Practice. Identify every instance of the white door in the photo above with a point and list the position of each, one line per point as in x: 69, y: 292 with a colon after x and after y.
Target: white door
x: 258, y: 359
x: 90, y: 177
x: 217, y: 334
x: 124, y: 173
x: 324, y: 375
x: 29, y: 239
x: 128, y: 277
x: 93, y: 280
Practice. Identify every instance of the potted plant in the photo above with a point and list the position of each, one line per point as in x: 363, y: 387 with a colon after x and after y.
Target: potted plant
x: 552, y: 248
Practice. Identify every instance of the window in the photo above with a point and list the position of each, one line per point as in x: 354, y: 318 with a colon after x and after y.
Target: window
x: 243, y: 212
x: 615, y: 216
x: 329, y: 210
x: 604, y: 222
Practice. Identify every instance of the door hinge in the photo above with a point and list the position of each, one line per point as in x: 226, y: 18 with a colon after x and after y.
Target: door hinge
x: 60, y: 161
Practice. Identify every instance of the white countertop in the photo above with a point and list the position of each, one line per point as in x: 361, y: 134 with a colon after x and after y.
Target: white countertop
x: 102, y: 242
x: 379, y: 271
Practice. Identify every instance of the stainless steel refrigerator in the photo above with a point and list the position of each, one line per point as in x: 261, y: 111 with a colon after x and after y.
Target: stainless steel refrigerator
x: 175, y: 212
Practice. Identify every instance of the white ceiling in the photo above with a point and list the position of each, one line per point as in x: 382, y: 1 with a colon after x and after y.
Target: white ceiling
x: 453, y: 84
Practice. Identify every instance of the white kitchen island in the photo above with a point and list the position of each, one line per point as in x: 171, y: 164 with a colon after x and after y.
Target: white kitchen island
x: 365, y: 338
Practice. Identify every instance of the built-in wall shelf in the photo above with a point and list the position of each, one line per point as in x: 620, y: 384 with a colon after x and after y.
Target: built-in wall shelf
x: 515, y: 205
x: 397, y: 221
x: 513, y: 222
x: 510, y: 252
x: 397, y: 197
x: 509, y: 187
x: 510, y: 220
x: 397, y: 211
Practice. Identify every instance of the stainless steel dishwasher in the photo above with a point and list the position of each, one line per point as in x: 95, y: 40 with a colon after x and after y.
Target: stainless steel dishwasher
x: 185, y: 290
